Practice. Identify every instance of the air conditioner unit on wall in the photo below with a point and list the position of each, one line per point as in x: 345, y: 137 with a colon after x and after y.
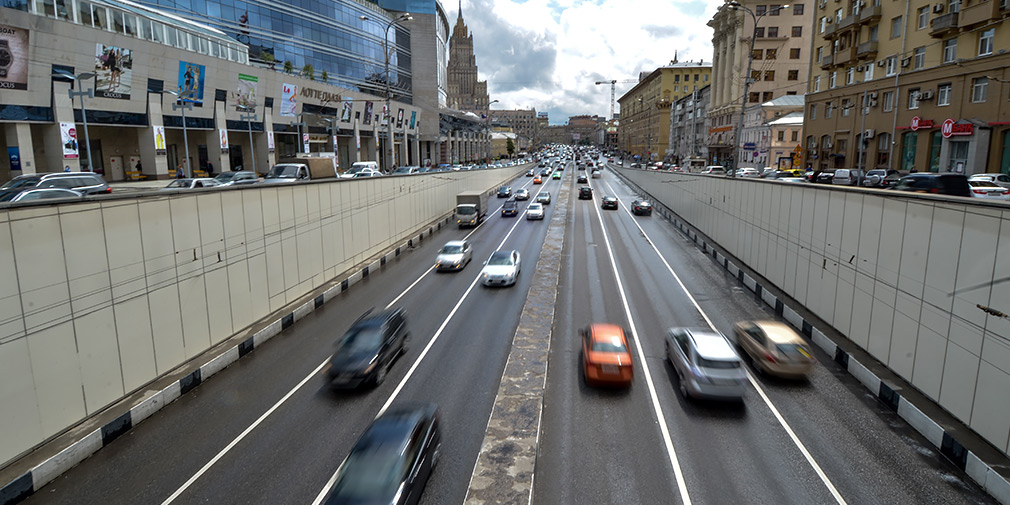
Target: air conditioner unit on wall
x: 881, y: 63
x: 859, y: 68
x: 829, y: 20
x: 926, y: 95
x: 869, y: 133
x: 906, y: 62
x: 938, y: 8
x: 873, y: 95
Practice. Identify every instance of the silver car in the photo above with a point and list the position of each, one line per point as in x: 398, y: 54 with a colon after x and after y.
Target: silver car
x: 534, y: 211
x: 501, y: 269
x: 706, y: 364
x: 454, y: 255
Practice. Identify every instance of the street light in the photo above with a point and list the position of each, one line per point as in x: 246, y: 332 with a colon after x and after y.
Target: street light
x: 487, y: 140
x: 746, y: 81
x: 90, y: 93
x: 181, y: 103
x: 249, y: 115
x: 389, y: 113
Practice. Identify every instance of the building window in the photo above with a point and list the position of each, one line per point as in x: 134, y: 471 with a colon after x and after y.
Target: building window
x: 767, y: 96
x: 913, y: 98
x: 797, y: 9
x: 824, y: 24
x: 759, y: 32
x: 771, y: 54
x: 813, y: 111
x: 888, y: 104
x: 850, y: 75
x: 883, y: 148
x: 758, y: 54
x: 985, y: 42
x: 797, y: 31
x: 874, y: 31
x: 896, y: 27
x: 774, y: 10
x: 943, y: 95
x: 954, y: 6
x: 794, y: 53
x: 773, y: 31
x: 817, y: 83
x: 753, y: 97
x: 923, y: 18
x: 676, y: 78
x: 828, y: 110
x: 760, y: 10
x: 892, y: 66
x: 755, y: 75
x: 794, y: 75
x: 979, y: 86
x: 832, y: 80
x: 846, y: 106
x: 918, y: 58
x: 795, y: 136
x: 950, y: 50
x: 868, y: 74
x: 696, y: 77
x: 838, y: 16
x: 819, y: 53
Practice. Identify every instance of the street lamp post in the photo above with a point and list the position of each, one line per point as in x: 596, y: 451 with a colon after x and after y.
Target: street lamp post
x: 249, y: 115
x: 487, y: 139
x: 90, y: 93
x: 299, y: 125
x: 386, y: 52
x: 746, y: 81
x: 181, y: 104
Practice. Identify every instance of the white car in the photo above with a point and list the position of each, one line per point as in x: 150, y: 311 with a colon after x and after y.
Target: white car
x: 199, y: 182
x: 988, y: 190
x: 534, y: 211
x: 501, y: 269
x: 522, y: 194
x: 454, y: 255
x: 997, y: 179
x: 714, y: 170
x: 367, y: 167
x: 747, y: 172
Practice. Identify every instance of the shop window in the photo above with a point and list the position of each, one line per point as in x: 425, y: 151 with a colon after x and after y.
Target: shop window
x: 958, y: 156
x: 909, y: 141
x: 935, y: 142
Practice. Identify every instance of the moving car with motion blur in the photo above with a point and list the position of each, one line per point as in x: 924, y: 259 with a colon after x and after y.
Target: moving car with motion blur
x: 609, y: 202
x: 774, y: 348
x: 393, y: 459
x: 534, y: 211
x: 641, y: 207
x: 936, y: 183
x: 454, y: 255
x: 34, y: 195
x: 581, y: 179
x: 240, y: 178
x: 530, y: 173
x: 199, y: 182
x: 368, y: 350
x: 606, y: 357
x: 706, y: 364
x: 501, y: 269
x: 556, y: 175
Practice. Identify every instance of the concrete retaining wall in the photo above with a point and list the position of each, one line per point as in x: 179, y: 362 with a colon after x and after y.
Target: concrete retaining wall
x: 103, y: 297
x: 900, y: 275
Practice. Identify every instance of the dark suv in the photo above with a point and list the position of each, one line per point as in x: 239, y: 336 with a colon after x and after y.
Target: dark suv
x: 943, y: 184
x: 504, y: 192
x: 368, y: 350
x: 585, y: 193
x: 88, y: 183
x: 511, y: 208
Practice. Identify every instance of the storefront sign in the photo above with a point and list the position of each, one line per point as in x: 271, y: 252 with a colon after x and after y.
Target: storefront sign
x: 918, y: 123
x: 191, y: 82
x: 720, y: 129
x: 322, y: 96
x: 399, y: 119
x: 289, y: 100
x: 159, y: 139
x: 13, y: 57
x: 68, y: 134
x: 750, y: 146
x: 950, y: 128
x: 113, y: 71
x: 245, y: 94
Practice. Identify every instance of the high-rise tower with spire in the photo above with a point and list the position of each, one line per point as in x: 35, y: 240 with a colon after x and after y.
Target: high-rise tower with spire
x: 465, y: 92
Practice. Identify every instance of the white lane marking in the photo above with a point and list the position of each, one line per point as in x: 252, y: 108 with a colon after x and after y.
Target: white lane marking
x: 298, y: 386
x: 667, y: 440
x: 333, y: 478
x: 785, y: 425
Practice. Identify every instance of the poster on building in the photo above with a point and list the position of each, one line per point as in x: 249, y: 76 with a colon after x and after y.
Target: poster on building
x: 14, y: 155
x: 245, y: 93
x: 289, y: 100
x: 399, y: 118
x: 385, y: 115
x: 223, y: 134
x: 305, y: 143
x: 413, y: 119
x: 334, y: 143
x: 368, y: 112
x: 345, y: 116
x: 113, y: 71
x: 68, y: 136
x: 357, y: 137
x: 270, y: 141
x: 159, y: 139
x: 13, y: 57
x: 191, y: 82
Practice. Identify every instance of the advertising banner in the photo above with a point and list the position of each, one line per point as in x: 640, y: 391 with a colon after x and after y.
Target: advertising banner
x: 223, y: 134
x: 289, y: 100
x: 191, y: 82
x: 334, y: 143
x: 13, y: 57
x: 305, y: 142
x: 159, y: 139
x: 413, y: 119
x: 357, y: 137
x: 113, y: 72
x: 245, y: 94
x: 345, y: 116
x: 270, y: 140
x: 385, y: 115
x: 399, y: 119
x: 368, y: 112
x: 14, y: 155
x: 68, y: 134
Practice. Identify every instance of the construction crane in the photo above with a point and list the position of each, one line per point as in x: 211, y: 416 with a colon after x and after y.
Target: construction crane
x: 613, y: 92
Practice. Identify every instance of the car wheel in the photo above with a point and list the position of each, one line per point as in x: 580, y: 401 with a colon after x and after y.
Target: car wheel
x: 435, y: 454
x: 406, y: 345
x: 380, y: 375
x: 683, y: 388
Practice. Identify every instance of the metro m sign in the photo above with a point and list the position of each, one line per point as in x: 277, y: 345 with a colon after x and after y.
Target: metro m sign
x: 950, y: 128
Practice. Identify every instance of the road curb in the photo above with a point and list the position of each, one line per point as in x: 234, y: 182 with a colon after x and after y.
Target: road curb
x: 505, y: 466
x: 27, y: 483
x: 946, y: 441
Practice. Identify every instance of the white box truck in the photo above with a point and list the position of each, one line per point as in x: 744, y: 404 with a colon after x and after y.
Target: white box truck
x: 471, y: 208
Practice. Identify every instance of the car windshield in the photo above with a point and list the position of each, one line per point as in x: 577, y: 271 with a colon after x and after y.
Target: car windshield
x: 452, y: 249
x: 535, y: 206
x: 717, y: 363
x: 466, y: 210
x: 179, y: 183
x: 982, y: 184
x: 613, y: 344
x: 370, y: 474
x: 283, y: 172
x: 6, y: 196
x: 225, y: 176
x: 361, y: 339
x: 24, y: 182
x: 500, y: 258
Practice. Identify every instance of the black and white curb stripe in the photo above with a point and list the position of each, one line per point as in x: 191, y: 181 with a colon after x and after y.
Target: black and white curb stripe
x: 945, y: 441
x: 31, y: 481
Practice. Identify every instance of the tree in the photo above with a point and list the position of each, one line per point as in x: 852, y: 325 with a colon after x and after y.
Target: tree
x: 510, y: 147
x: 325, y: 76
x: 268, y: 58
x: 289, y: 67
x: 308, y: 72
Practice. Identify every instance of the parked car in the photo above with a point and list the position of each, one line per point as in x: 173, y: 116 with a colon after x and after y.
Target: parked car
x: 32, y: 195
x: 882, y: 178
x: 362, y: 169
x: 846, y: 176
x: 747, y: 172
x: 88, y: 183
x: 774, y: 348
x: 501, y: 269
x: 585, y: 193
x: 393, y: 459
x: 939, y: 183
x: 504, y: 192
x: 714, y: 170
x: 406, y: 170
x: 544, y: 197
x: 988, y: 190
x: 367, y: 351
x: 998, y: 179
x: 534, y: 211
x: 199, y: 182
x: 510, y: 208
x: 522, y: 194
x: 706, y: 364
x: 240, y: 178
x: 641, y: 207
x: 824, y: 176
x: 454, y: 255
x: 609, y: 202
x: 606, y: 356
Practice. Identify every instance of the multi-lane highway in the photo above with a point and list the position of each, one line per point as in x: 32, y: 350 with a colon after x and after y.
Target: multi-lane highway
x: 268, y: 430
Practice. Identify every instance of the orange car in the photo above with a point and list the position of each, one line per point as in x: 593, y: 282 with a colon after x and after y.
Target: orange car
x: 538, y: 180
x: 606, y: 357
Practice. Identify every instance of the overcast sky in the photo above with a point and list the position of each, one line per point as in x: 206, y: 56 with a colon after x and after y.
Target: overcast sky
x: 548, y: 54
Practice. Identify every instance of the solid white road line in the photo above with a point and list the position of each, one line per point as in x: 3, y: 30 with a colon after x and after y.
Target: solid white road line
x: 664, y: 429
x: 785, y: 425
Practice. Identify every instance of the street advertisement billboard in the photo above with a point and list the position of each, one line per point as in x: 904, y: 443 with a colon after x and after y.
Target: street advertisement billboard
x: 68, y: 136
x: 191, y: 82
x: 289, y: 100
x: 245, y: 93
x: 368, y: 112
x: 159, y: 139
x: 13, y: 57
x: 399, y: 119
x: 345, y: 116
x: 113, y: 71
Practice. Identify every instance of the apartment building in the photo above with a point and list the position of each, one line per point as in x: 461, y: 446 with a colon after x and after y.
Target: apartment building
x: 688, y: 127
x: 932, y: 76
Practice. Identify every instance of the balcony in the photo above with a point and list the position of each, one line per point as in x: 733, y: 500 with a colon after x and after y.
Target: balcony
x: 827, y: 61
x: 866, y: 50
x: 979, y: 13
x: 941, y: 26
x: 846, y: 24
x: 869, y: 15
x: 829, y: 31
x: 845, y: 57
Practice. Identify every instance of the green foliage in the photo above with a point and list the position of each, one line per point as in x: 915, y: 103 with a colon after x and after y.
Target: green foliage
x: 325, y: 76
x: 289, y: 67
x: 510, y: 147
x: 309, y: 72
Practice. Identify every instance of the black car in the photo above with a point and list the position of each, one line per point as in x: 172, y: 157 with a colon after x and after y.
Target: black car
x: 504, y: 192
x: 511, y: 208
x: 585, y: 193
x: 641, y: 208
x: 391, y: 462
x: 367, y: 351
x: 529, y: 173
x: 582, y: 179
x: 824, y: 176
x: 609, y: 202
x: 943, y: 184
